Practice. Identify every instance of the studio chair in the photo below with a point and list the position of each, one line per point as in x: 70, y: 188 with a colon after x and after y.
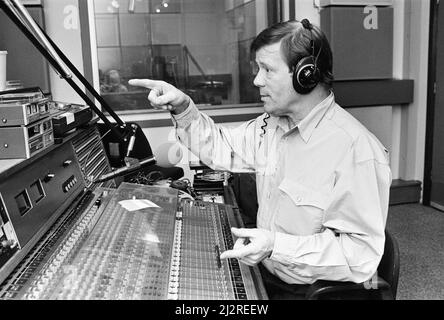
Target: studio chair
x: 381, y: 287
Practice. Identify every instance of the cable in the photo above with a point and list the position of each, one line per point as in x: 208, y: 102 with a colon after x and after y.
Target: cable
x: 264, y: 125
x: 147, y: 179
x: 184, y: 195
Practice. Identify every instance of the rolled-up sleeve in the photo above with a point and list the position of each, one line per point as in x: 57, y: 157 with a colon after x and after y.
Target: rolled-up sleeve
x: 351, y: 243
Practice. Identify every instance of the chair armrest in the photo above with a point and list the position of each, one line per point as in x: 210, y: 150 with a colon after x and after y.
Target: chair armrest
x: 325, y: 287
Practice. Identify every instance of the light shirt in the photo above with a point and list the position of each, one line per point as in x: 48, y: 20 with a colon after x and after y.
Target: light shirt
x: 322, y: 185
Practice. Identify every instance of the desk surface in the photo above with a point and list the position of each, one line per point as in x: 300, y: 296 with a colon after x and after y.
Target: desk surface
x: 5, y: 164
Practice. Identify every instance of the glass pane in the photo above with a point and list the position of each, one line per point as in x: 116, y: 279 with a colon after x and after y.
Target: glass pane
x: 200, y: 46
x: 107, y: 28
x: 134, y: 29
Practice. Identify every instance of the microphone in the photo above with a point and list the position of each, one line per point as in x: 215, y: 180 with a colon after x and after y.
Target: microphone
x: 135, y: 165
x: 166, y: 155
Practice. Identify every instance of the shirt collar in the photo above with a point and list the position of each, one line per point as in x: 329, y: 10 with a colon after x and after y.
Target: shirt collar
x: 311, y: 121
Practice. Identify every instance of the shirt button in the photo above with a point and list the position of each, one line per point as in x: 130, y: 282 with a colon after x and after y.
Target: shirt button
x: 298, y: 199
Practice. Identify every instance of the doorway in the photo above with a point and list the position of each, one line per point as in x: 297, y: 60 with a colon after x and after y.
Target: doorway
x: 434, y: 155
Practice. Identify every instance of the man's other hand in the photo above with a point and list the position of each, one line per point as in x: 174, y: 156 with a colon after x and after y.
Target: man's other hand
x: 259, y: 245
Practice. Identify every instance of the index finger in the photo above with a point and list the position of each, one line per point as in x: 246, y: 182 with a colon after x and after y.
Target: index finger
x: 146, y: 83
x: 237, y: 253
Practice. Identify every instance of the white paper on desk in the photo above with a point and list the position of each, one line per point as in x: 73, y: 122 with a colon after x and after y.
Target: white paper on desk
x: 137, y: 204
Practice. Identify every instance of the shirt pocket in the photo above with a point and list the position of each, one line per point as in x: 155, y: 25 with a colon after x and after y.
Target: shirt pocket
x: 300, y: 208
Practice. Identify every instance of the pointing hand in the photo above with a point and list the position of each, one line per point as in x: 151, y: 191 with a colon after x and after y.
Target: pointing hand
x: 163, y: 95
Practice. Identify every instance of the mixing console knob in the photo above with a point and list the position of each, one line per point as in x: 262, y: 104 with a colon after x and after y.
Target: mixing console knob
x: 173, y: 290
x: 63, y: 253
x: 56, y: 262
x: 34, y: 292
x: 172, y: 296
x: 48, y: 177
x: 66, y: 163
x: 51, y: 270
x: 39, y: 287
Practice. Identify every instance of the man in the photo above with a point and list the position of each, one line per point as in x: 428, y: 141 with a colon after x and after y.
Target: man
x: 113, y: 83
x: 323, y: 179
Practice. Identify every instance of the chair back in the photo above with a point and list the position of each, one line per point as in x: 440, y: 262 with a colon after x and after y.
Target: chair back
x: 388, y: 268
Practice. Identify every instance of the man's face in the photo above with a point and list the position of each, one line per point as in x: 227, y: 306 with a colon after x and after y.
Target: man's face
x: 274, y: 81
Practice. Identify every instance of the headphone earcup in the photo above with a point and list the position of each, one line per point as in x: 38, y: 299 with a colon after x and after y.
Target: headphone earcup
x: 305, y: 75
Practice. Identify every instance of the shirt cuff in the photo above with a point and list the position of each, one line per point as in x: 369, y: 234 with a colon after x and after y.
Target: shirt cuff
x: 185, y: 118
x: 281, y: 242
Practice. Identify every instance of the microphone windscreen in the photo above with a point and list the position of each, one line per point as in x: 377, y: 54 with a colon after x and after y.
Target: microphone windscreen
x: 168, y: 154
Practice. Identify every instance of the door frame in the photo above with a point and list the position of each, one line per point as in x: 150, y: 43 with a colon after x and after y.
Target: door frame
x: 430, y: 121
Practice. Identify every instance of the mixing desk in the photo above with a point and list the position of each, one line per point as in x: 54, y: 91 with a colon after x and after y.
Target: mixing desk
x: 64, y: 237
x: 70, y: 229
x: 101, y: 250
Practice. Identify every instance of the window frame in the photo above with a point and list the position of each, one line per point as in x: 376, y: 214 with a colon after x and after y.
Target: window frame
x: 92, y: 70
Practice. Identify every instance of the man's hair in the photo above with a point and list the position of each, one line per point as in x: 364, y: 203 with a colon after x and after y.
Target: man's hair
x: 296, y: 44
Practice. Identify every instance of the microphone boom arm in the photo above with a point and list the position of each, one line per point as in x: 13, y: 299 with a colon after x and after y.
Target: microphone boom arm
x: 21, y: 18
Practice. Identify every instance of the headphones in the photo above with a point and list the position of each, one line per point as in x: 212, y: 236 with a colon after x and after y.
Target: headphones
x: 306, y: 74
